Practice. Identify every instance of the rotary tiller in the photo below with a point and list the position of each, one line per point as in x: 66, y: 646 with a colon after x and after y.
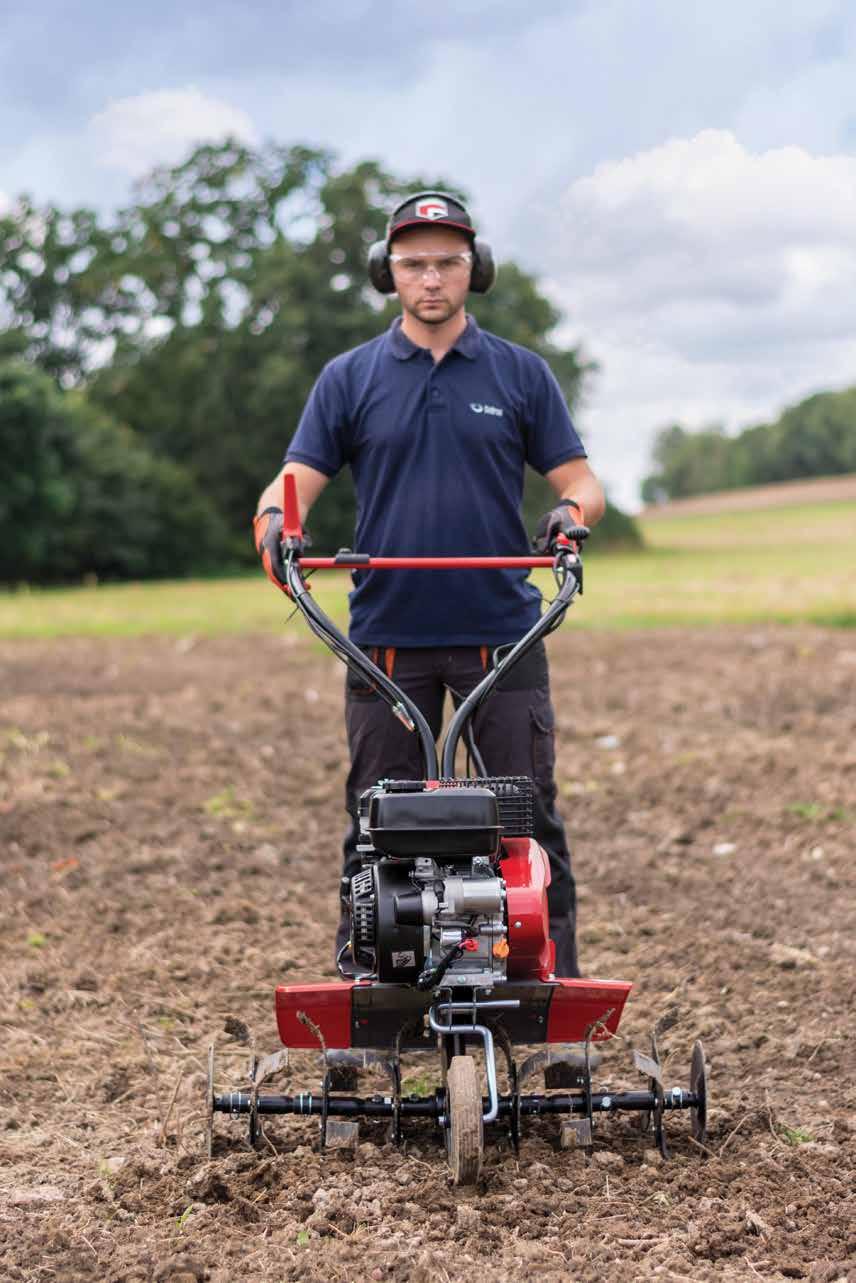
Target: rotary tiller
x: 450, y: 947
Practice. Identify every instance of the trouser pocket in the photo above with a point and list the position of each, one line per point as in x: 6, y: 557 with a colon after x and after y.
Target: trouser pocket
x: 543, y: 746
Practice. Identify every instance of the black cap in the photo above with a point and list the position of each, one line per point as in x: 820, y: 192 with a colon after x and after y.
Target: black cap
x: 430, y: 209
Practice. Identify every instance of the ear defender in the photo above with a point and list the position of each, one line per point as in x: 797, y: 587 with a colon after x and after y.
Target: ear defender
x: 484, y: 268
x: 380, y: 272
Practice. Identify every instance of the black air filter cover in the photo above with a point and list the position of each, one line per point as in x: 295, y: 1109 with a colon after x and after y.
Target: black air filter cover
x: 444, y: 823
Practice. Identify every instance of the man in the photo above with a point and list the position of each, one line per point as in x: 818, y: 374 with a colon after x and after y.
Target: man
x: 437, y: 420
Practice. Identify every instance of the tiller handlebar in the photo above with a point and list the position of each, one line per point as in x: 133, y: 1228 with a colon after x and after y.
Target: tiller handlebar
x: 567, y: 568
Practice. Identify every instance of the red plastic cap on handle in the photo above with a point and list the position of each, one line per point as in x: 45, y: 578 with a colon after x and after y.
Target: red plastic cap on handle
x: 291, y: 527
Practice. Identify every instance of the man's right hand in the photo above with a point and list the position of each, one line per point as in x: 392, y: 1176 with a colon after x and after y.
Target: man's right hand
x: 267, y: 531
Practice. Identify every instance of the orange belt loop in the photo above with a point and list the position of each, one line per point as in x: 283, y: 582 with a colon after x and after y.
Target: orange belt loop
x: 484, y: 652
x: 389, y: 661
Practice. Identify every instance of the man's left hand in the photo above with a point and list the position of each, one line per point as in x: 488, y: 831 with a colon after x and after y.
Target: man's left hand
x: 565, y: 519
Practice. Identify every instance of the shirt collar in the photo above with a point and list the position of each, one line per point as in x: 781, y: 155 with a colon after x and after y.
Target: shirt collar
x: 402, y: 348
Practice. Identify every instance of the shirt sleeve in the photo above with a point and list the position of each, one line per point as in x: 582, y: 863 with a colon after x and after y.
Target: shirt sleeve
x: 321, y: 437
x: 551, y: 437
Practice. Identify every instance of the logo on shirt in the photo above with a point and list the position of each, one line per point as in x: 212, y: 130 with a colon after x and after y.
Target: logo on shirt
x: 432, y: 209
x: 478, y: 408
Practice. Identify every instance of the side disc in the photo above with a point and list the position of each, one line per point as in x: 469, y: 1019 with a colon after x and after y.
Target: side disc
x: 699, y: 1085
x: 209, y: 1102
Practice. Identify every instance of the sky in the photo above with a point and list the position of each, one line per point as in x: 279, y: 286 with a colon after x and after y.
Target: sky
x: 680, y: 177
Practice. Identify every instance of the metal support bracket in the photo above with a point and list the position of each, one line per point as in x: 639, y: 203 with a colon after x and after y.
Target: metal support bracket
x: 447, y: 1027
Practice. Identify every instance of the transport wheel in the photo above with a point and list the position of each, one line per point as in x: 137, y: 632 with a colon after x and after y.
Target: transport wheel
x: 465, y: 1129
x: 699, y: 1084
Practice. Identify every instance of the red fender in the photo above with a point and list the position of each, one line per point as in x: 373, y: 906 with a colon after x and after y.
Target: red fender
x: 526, y: 870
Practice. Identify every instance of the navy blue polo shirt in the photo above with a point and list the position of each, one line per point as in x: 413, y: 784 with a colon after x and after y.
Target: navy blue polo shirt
x: 438, y: 454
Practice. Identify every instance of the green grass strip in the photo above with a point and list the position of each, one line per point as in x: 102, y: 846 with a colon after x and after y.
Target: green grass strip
x: 785, y: 565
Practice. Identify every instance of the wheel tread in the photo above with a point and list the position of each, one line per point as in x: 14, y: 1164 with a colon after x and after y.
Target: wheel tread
x: 466, y: 1128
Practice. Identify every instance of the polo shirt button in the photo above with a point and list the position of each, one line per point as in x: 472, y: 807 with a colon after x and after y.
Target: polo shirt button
x: 435, y: 392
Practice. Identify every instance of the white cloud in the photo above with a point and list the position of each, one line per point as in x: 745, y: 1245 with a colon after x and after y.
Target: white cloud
x: 159, y: 127
x: 5, y: 203
x: 715, y: 285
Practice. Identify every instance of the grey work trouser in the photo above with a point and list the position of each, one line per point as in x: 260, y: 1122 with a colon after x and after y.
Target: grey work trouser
x: 513, y: 732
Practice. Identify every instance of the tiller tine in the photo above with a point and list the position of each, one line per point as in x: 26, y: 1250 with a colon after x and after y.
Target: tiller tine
x: 458, y: 1107
x: 259, y: 1071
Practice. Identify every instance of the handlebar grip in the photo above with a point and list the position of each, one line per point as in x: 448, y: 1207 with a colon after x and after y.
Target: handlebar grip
x: 575, y: 535
x: 292, y: 531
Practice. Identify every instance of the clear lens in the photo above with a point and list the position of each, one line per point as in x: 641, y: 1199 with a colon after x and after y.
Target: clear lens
x: 412, y: 267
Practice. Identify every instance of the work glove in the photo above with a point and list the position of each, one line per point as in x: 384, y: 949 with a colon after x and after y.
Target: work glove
x: 267, y: 531
x: 565, y: 519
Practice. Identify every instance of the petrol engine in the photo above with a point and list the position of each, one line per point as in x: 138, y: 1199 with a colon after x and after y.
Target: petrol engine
x: 431, y: 902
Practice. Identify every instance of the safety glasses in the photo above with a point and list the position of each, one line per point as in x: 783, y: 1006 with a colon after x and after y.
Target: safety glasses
x: 412, y: 267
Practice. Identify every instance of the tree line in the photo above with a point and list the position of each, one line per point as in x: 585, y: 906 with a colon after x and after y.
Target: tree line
x: 154, y: 363
x: 815, y: 438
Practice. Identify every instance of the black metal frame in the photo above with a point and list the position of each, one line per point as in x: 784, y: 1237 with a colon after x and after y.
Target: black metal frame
x: 567, y: 568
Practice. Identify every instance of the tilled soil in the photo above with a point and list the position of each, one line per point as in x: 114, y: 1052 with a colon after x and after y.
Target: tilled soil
x: 170, y: 817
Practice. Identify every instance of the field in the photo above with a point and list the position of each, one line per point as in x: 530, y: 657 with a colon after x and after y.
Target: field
x: 169, y: 820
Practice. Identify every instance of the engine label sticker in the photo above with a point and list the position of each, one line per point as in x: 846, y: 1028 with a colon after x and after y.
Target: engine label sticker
x: 403, y: 958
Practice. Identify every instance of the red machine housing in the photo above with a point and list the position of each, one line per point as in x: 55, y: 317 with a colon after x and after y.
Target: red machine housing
x: 369, y: 1013
x: 366, y: 1014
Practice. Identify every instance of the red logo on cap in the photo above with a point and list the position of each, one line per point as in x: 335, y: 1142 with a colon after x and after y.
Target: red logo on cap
x: 432, y: 209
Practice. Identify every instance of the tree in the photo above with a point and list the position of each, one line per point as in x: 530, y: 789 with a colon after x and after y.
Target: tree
x: 688, y: 463
x: 63, y: 293
x: 814, y: 438
x: 80, y: 494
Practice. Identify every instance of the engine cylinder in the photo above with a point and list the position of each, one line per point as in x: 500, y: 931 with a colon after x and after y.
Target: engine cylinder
x: 472, y: 895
